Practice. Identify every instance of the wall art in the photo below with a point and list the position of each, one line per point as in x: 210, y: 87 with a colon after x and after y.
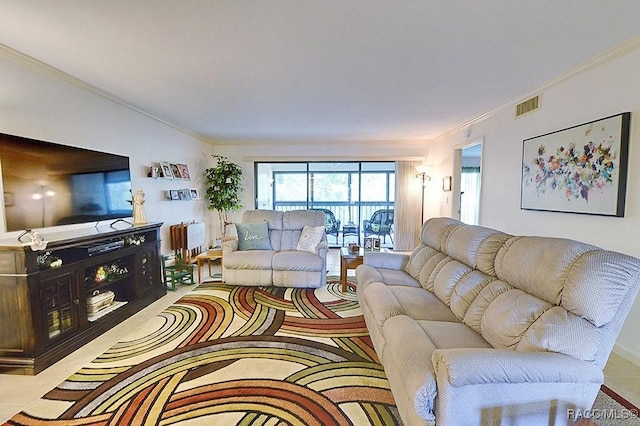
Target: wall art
x: 581, y: 169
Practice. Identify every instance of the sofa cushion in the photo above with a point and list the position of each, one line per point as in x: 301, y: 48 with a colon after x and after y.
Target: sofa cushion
x: 298, y: 219
x: 259, y: 259
x: 310, y: 238
x: 448, y: 277
x: 435, y: 230
x: 253, y: 236
x: 509, y: 316
x: 393, y: 276
x: 489, y: 292
x: 427, y: 276
x: 466, y: 291
x: 418, y: 258
x: 421, y: 305
x: 463, y: 243
x: 602, y: 301
x: 548, y: 262
x: 292, y: 260
x: 447, y: 335
x: 273, y: 217
x: 558, y: 330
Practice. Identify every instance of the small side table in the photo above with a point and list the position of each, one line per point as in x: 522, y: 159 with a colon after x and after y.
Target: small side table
x: 209, y: 256
x: 351, y: 260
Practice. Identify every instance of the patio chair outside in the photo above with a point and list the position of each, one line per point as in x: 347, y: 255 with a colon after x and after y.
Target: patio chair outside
x: 332, y: 224
x: 380, y: 224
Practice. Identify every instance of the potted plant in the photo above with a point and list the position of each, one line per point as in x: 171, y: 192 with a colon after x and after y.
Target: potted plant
x: 223, y: 184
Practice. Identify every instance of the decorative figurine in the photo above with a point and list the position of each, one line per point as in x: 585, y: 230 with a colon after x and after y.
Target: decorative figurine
x: 139, y: 217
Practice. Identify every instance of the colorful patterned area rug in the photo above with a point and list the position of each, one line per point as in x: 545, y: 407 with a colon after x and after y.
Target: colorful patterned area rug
x: 226, y: 355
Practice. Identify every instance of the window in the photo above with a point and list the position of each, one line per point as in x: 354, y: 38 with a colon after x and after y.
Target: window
x: 351, y: 190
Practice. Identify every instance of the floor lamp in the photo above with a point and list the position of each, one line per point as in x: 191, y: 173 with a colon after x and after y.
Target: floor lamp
x: 424, y: 177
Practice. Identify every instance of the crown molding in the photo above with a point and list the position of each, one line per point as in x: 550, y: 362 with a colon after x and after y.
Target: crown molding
x: 623, y: 49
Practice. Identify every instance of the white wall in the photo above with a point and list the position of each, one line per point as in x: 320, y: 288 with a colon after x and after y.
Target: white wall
x: 599, y: 91
x: 39, y: 103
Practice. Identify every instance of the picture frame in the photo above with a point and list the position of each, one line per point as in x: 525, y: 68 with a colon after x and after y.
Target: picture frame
x: 195, y: 195
x: 184, y: 171
x: 580, y: 169
x: 174, y: 194
x: 372, y: 243
x: 175, y: 171
x: 184, y: 194
x: 165, y: 170
x: 446, y: 183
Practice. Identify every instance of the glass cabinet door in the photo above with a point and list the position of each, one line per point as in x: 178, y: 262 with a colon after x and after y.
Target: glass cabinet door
x: 146, y: 272
x: 60, y: 305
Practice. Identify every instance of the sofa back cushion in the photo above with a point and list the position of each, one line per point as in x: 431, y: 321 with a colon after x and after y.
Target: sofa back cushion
x: 285, y: 227
x: 528, y: 293
x: 475, y: 246
x: 539, y: 265
x: 582, y: 293
x: 435, y: 230
x: 292, y: 224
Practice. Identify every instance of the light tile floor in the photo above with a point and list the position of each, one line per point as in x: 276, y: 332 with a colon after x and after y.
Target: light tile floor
x: 623, y: 377
x: 16, y: 392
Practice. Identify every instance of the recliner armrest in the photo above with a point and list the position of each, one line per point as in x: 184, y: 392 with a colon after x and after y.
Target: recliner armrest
x: 322, y: 249
x: 479, y: 366
x: 396, y: 261
x: 229, y: 246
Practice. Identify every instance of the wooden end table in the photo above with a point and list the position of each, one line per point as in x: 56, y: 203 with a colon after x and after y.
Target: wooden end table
x: 209, y: 256
x: 351, y: 260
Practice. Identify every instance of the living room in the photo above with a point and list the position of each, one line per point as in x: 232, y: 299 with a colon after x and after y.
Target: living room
x: 39, y: 100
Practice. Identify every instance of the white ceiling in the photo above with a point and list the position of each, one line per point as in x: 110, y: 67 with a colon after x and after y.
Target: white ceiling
x: 309, y: 70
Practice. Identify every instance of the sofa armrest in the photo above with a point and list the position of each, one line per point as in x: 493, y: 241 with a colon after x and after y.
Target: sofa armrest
x: 396, y: 261
x: 464, y: 367
x: 322, y: 249
x: 229, y: 246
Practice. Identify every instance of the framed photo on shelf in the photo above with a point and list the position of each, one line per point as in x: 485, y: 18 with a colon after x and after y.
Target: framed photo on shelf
x: 174, y: 194
x: 581, y: 169
x: 175, y: 171
x: 184, y: 171
x: 194, y: 194
x: 185, y: 194
x: 165, y: 170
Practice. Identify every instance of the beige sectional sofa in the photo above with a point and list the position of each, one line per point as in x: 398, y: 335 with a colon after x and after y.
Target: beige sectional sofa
x: 480, y: 327
x: 284, y: 263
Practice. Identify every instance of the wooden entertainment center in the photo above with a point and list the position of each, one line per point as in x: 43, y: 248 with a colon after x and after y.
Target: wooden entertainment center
x: 52, y: 301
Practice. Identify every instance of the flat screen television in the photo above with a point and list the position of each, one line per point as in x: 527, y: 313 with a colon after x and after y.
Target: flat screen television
x: 47, y: 184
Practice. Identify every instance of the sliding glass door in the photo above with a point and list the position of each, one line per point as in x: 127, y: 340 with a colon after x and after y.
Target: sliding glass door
x: 350, y: 191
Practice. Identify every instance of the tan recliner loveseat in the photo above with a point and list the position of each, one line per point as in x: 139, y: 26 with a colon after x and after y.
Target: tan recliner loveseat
x: 284, y: 263
x: 478, y: 327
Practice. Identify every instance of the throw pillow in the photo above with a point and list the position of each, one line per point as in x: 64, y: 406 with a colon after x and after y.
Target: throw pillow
x: 310, y: 238
x: 253, y: 236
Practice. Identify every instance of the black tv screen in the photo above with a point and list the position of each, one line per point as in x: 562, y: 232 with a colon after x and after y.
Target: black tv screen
x: 47, y: 184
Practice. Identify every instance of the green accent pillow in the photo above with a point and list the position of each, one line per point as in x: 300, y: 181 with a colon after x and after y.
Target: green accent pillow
x: 253, y: 236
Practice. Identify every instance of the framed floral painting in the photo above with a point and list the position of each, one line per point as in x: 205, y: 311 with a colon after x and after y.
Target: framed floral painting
x: 581, y: 169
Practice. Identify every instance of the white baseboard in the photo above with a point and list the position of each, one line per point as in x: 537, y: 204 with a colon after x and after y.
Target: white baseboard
x: 627, y: 354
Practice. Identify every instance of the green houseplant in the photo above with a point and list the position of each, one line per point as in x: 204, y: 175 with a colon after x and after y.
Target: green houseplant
x: 223, y: 184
